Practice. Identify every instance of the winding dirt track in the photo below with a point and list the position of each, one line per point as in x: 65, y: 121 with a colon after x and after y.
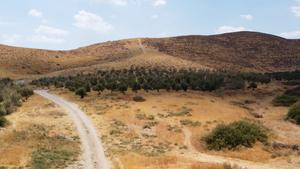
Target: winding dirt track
x: 94, y: 156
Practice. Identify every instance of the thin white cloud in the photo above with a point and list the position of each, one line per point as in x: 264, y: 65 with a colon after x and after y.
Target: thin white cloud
x: 16, y: 39
x: 114, y: 2
x: 291, y: 35
x: 247, y: 17
x: 228, y: 29
x: 45, y: 39
x: 13, y: 39
x: 42, y: 34
x: 35, y: 13
x: 91, y: 21
x: 43, y: 29
x: 296, y: 10
x: 157, y: 3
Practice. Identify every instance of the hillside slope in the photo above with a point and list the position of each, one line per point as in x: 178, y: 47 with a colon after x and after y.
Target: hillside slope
x: 248, y: 51
x: 242, y: 51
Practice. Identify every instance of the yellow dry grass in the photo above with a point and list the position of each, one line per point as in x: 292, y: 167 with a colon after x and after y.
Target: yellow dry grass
x: 33, y: 126
x: 131, y: 143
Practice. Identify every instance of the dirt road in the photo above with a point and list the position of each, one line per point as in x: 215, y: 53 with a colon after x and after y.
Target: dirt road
x: 93, y: 152
x: 142, y: 46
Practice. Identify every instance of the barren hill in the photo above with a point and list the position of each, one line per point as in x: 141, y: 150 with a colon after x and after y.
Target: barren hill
x: 242, y: 51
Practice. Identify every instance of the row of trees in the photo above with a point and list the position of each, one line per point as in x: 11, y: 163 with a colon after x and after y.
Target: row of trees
x: 148, y: 79
x: 11, y: 97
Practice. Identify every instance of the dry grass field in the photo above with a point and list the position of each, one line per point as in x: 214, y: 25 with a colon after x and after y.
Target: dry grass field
x: 163, y: 131
x: 40, y: 135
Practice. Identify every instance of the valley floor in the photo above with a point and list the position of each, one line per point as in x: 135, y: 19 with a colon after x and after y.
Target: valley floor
x: 152, y: 134
x: 165, y: 131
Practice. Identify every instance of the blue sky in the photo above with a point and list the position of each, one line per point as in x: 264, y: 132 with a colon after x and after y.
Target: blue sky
x: 67, y: 24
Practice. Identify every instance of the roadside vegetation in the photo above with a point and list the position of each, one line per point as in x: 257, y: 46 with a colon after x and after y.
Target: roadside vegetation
x: 54, y: 152
x: 156, y: 79
x: 11, y: 97
x: 236, y: 134
x: 288, y: 98
x: 294, y: 113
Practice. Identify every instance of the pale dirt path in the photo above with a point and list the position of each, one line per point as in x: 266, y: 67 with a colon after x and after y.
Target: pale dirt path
x: 201, y: 157
x: 94, y: 156
x: 142, y: 46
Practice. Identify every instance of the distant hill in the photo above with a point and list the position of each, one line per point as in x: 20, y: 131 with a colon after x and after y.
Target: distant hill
x: 241, y: 51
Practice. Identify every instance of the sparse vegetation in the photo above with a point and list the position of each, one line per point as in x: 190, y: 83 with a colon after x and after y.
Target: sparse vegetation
x: 184, y: 111
x: 150, y: 124
x: 144, y: 117
x: 3, y: 121
x: 81, y: 92
x: 233, y: 135
x: 44, y: 158
x: 190, y: 123
x: 174, y: 128
x: 288, y: 98
x: 10, y: 98
x: 139, y: 99
x: 294, y: 113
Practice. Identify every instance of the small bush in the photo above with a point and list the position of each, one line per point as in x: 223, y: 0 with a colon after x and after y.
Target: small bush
x: 240, y: 133
x: 3, y: 121
x: 25, y: 92
x: 184, y: 111
x: 139, y: 99
x: 252, y: 85
x: 144, y: 117
x: 81, y: 92
x: 285, y: 100
x: 190, y: 123
x: 175, y: 129
x: 2, y: 110
x: 294, y: 113
x: 290, y: 97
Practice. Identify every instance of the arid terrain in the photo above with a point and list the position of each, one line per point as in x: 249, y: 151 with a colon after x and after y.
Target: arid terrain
x: 149, y: 116
x: 243, y: 51
x: 145, y: 135
x: 40, y: 135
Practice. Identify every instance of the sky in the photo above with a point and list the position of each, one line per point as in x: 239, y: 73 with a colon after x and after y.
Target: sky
x: 69, y: 24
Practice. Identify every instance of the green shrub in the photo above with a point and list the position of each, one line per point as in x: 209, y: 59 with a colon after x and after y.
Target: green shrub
x: 139, y: 99
x: 2, y: 110
x: 289, y: 97
x: 294, y: 113
x: 81, y: 92
x: 285, y: 100
x: 25, y: 92
x: 233, y: 135
x: 3, y: 121
x: 293, y: 92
